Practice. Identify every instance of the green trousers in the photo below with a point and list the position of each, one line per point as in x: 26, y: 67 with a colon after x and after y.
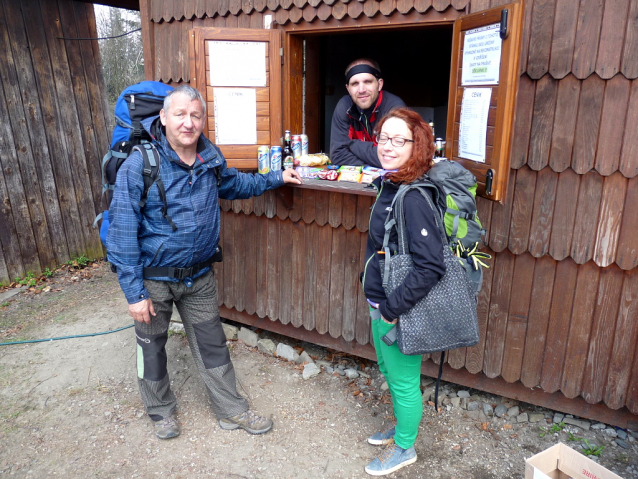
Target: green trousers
x: 403, y: 375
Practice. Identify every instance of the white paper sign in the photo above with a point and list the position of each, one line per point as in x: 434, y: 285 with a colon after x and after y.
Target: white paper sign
x: 235, y: 116
x: 237, y: 63
x: 482, y: 56
x: 473, y: 130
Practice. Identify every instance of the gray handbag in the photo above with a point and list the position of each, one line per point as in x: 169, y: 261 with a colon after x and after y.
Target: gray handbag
x: 444, y: 319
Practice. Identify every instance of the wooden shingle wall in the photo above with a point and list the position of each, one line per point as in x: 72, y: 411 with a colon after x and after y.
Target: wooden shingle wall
x: 559, y: 307
x: 54, y: 130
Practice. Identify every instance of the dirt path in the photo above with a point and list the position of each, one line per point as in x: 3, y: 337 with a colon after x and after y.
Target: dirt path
x: 71, y: 408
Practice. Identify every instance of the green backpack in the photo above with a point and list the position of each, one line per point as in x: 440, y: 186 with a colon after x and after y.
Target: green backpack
x: 462, y: 224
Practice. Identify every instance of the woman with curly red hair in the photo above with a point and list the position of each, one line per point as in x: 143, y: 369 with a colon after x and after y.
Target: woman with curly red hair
x: 405, y: 150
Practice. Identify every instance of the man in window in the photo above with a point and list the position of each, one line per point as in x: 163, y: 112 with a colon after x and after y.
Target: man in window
x: 356, y: 115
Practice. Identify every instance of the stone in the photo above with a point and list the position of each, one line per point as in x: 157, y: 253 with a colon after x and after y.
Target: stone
x: 328, y: 369
x: 322, y: 363
x: 472, y: 406
x: 230, y: 331
x: 176, y: 327
x: 351, y: 373
x: 598, y: 426
x: 610, y: 431
x: 634, y: 434
x: 287, y: 352
x: 455, y: 401
x: 558, y: 418
x: 428, y: 393
x: 464, y: 402
x: 514, y: 411
x: 310, y: 370
x: 248, y: 337
x: 266, y: 346
x: 522, y: 417
x: 623, y: 444
x: 384, y: 386
x: 340, y: 372
x: 621, y: 434
x: 536, y: 417
x: 473, y: 414
x: 584, y: 425
x: 488, y: 410
x: 364, y: 375
x: 304, y: 357
x: 500, y: 410
x: 463, y: 394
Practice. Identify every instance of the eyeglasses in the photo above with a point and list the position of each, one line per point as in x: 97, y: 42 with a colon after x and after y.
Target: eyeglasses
x: 397, y: 141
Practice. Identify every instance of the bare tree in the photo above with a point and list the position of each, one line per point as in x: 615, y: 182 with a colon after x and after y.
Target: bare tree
x: 122, y: 56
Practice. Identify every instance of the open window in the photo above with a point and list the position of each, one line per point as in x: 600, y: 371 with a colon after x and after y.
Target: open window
x: 421, y: 59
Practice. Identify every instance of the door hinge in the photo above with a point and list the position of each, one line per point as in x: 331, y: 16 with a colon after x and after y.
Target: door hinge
x: 281, y: 54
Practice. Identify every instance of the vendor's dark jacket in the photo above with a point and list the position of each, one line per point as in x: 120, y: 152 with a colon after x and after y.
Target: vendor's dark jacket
x: 351, y: 142
x: 425, y: 244
x: 137, y: 239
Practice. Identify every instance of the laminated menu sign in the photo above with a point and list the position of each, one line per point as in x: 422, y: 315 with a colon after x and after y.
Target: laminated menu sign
x: 473, y: 129
x: 237, y: 63
x: 482, y: 56
x: 235, y: 116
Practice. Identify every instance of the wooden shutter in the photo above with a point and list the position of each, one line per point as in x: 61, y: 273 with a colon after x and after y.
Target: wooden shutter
x: 269, y: 100
x: 500, y: 120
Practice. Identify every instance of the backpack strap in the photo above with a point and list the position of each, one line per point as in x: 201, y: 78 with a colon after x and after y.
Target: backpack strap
x: 151, y: 175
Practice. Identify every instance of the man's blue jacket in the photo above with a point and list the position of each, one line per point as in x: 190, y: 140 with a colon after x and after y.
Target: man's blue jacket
x: 135, y: 240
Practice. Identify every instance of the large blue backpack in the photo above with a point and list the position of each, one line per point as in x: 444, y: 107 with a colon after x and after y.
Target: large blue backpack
x: 136, y: 103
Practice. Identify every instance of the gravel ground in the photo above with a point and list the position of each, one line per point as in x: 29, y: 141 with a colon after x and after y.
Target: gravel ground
x: 70, y: 408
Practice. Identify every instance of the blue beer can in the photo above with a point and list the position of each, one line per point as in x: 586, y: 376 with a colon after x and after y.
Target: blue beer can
x: 275, y: 158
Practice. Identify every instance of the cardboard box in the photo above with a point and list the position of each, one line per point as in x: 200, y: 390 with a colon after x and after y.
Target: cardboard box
x: 562, y: 462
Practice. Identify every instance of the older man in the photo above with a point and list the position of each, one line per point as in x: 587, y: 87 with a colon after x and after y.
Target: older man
x: 352, y: 139
x: 163, y: 256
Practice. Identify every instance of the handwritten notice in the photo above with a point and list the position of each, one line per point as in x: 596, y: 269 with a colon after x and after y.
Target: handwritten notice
x: 235, y: 116
x: 482, y: 56
x: 473, y: 130
x: 237, y: 63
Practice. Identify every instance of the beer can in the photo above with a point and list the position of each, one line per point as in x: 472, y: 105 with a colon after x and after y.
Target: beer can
x: 263, y: 159
x: 304, y: 144
x: 296, y: 146
x: 275, y: 158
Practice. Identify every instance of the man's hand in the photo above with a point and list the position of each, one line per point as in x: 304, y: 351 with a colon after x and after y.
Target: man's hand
x: 291, y: 176
x: 142, y: 311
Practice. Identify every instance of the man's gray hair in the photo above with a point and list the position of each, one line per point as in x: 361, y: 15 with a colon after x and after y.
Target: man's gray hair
x: 189, y: 91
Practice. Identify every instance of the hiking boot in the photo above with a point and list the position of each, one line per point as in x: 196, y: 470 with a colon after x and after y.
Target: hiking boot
x: 167, y: 427
x: 392, y: 458
x: 382, y: 438
x: 249, y: 421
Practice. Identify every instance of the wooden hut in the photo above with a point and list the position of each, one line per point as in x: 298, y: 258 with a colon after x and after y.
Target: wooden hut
x: 558, y: 307
x: 54, y: 129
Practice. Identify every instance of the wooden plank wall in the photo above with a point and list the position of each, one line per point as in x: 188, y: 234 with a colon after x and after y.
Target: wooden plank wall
x: 558, y: 308
x: 54, y: 129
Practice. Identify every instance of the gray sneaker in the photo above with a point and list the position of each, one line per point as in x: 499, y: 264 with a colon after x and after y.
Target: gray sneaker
x: 167, y: 427
x: 382, y: 438
x: 249, y: 421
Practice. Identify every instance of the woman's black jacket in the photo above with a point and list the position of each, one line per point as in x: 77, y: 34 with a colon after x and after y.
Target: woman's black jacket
x: 425, y: 244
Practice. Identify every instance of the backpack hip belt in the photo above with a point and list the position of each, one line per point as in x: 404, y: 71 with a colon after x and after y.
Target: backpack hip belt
x: 181, y: 273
